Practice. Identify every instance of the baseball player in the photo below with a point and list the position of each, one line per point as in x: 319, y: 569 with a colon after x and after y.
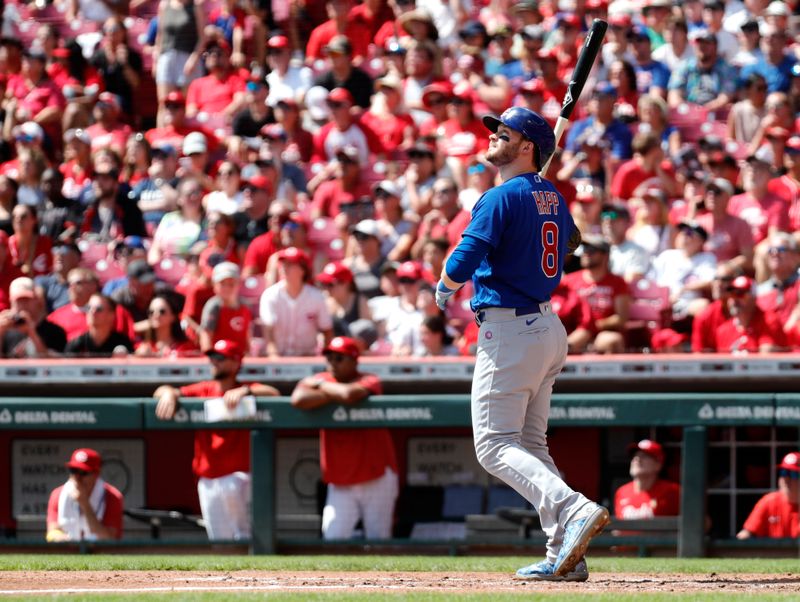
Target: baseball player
x: 514, y: 250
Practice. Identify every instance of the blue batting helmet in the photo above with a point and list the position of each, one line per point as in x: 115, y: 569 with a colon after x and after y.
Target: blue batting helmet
x: 531, y: 125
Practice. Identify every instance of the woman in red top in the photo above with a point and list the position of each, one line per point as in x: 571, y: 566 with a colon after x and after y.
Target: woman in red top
x: 79, y: 81
x: 219, y: 230
x: 137, y: 159
x: 29, y: 251
x: 165, y: 337
x: 622, y: 76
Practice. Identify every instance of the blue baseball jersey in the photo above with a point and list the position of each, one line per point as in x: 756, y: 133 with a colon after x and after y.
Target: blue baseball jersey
x: 527, y: 224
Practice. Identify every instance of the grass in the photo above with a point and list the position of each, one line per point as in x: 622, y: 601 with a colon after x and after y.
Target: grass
x: 118, y: 562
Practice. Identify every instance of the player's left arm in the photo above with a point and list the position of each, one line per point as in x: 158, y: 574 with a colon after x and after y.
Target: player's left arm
x: 460, y: 266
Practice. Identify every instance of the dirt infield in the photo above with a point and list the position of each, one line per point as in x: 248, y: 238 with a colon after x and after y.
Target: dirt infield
x: 62, y: 582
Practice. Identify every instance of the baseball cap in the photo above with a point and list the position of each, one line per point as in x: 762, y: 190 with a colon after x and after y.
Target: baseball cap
x: 472, y: 28
x: 596, y: 241
x: 793, y: 145
x: 758, y: 159
x: 420, y: 150
x: 533, y: 86
x: 133, y: 242
x: 257, y: 181
x: 339, y: 45
x: 109, y: 99
x: 389, y: 187
x: 315, y: 103
x: 64, y: 246
x: 702, y: 34
x: 77, y: 134
x: 620, y: 20
x: 791, y: 461
x: 175, y: 98
x: 274, y: 131
x: 223, y: 271
x: 614, y: 211
x: 720, y: 185
x: 225, y: 349
x: 340, y: 95
x: 278, y: 42
x: 533, y: 32
x: 85, y: 459
x: 368, y: 227
x: 333, y: 272
x: 409, y: 269
x: 194, y: 142
x: 604, y: 89
x: 348, y: 153
x: 344, y: 345
x: 435, y: 89
x: 637, y: 32
x: 741, y: 283
x: 570, y: 20
x: 294, y: 255
x: 777, y: 132
x: 29, y: 131
x: 142, y: 271
x: 694, y: 227
x: 714, y: 4
x: 776, y: 8
x: 22, y: 288
x: 164, y: 150
x: 649, y: 447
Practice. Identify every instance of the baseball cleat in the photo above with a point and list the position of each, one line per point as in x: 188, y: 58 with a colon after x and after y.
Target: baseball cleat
x: 577, y: 535
x: 543, y: 571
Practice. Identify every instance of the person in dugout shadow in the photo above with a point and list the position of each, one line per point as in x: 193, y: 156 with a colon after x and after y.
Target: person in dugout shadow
x: 776, y: 513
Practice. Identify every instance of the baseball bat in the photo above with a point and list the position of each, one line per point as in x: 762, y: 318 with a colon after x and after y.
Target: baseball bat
x: 591, y: 47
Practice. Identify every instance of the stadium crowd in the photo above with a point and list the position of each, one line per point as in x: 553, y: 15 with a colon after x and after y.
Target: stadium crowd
x: 181, y: 172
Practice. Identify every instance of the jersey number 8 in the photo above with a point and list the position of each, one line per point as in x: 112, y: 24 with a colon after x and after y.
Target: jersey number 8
x: 550, y: 249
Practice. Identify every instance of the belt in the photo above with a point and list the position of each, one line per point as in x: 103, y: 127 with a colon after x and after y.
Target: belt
x: 480, y: 315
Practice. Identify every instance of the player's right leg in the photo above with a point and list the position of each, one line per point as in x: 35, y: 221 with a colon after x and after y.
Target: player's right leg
x: 341, y: 513
x: 213, y: 509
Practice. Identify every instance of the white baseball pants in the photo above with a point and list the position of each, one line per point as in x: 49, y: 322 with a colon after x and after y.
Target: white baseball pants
x: 225, y: 505
x: 372, y: 502
x: 518, y: 360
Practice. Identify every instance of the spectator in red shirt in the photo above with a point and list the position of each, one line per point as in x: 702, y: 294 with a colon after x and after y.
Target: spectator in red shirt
x: 85, y: 508
x: 446, y: 219
x: 748, y: 330
x: 780, y: 294
x: 764, y: 211
x: 346, y: 187
x: 221, y: 457
x: 358, y: 465
x: 108, y: 131
x: 338, y: 24
x: 263, y: 246
x: 463, y: 135
x: 221, y: 92
x: 647, y: 495
x: 776, y: 514
x: 224, y: 317
x: 165, y: 336
x: 175, y: 126
x: 29, y: 251
x: 299, y: 141
x: 387, y: 118
x: 572, y: 309
x: 705, y: 324
x: 729, y: 237
x: 608, y: 297
x: 645, y: 165
x: 787, y: 186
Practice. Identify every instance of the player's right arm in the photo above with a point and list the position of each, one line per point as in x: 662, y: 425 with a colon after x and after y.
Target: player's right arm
x: 167, y: 398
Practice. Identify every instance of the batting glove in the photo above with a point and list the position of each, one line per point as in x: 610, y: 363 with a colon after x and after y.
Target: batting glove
x: 443, y: 293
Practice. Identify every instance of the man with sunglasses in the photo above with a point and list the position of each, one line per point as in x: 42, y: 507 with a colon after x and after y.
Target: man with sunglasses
x: 358, y: 465
x: 221, y: 92
x: 221, y: 458
x: 779, y: 295
x: 85, y: 508
x: 705, y: 323
x: 101, y: 339
x: 513, y: 250
x: 748, y: 329
x: 776, y: 514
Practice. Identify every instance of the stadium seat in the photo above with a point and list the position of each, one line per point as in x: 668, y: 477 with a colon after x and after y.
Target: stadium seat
x: 107, y: 270
x: 92, y: 252
x: 650, y: 310
x: 250, y: 292
x: 170, y: 270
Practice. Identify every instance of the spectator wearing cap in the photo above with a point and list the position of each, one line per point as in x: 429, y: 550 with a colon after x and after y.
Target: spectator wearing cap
x: 78, y: 81
x: 175, y: 127
x: 165, y: 336
x: 501, y: 43
x: 647, y: 495
x: 358, y: 465
x: 764, y: 211
x: 729, y: 237
x: 343, y: 130
x: 119, y: 65
x: 224, y: 316
x: 221, y: 92
x: 646, y: 164
x: 387, y: 118
x: 651, y: 229
x: 108, y: 131
x: 123, y: 253
x: 618, y: 44
x: 54, y: 286
x: 86, y: 507
x: 749, y: 51
x: 525, y: 67
x: 531, y: 96
x: 293, y: 233
x: 780, y: 293
x: 293, y: 311
x: 366, y: 260
x: 707, y: 321
x: 344, y: 302
x: 776, y: 513
x: 554, y: 86
x: 435, y: 100
x: 402, y: 327
x: 33, y: 96
x: 28, y: 135
x: 601, y: 118
x: 340, y: 72
x: 656, y: 14
x: 24, y: 330
x: 111, y: 213
x: 706, y: 79
x: 195, y: 162
x: 299, y: 141
x: 687, y: 271
x: 626, y: 258
x: 100, y: 339
x: 745, y: 117
x: 285, y: 80
x: 399, y: 227
x: 652, y: 77
x: 676, y: 48
x: 337, y: 29
x: 775, y: 64
x: 463, y: 135
x: 748, y: 329
x: 177, y: 49
x: 252, y: 219
x: 608, y: 297
x: 713, y: 16
x: 346, y: 187
x: 179, y: 230
x: 157, y: 193
x: 446, y: 219
x: 221, y: 459
x: 585, y: 210
x: 480, y: 178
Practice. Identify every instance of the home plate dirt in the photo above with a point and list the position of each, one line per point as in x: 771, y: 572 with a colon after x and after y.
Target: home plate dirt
x: 62, y: 582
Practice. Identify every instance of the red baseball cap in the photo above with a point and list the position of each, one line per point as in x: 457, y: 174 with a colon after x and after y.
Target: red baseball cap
x: 590, y: 4
x: 649, y: 447
x: 791, y: 461
x: 571, y: 20
x: 436, y: 88
x: 535, y: 86
x: 175, y: 97
x: 409, y: 269
x: 258, y: 181
x: 344, y: 345
x: 227, y: 349
x: 85, y: 459
x: 294, y: 255
x: 464, y: 90
x: 278, y: 42
x: 340, y: 95
x: 742, y: 283
x: 335, y: 271
x: 621, y: 20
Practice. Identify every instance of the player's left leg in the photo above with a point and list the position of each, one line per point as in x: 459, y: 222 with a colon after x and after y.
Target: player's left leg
x: 378, y: 498
x: 212, y: 507
x: 236, y: 491
x: 341, y: 512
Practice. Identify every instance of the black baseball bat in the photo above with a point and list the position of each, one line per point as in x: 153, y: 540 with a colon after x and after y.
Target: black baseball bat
x: 591, y: 47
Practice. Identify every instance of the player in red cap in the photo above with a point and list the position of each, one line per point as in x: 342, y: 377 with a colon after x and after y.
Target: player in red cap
x: 221, y: 458
x: 776, y: 514
x: 647, y: 496
x: 85, y: 508
x: 358, y: 465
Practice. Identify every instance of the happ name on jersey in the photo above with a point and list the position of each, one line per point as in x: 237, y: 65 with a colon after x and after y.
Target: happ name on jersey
x: 546, y: 202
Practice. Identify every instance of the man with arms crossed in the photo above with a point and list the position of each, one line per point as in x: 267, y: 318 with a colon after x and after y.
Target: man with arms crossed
x: 514, y: 250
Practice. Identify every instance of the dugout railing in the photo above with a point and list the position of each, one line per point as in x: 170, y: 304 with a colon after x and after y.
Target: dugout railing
x: 694, y: 413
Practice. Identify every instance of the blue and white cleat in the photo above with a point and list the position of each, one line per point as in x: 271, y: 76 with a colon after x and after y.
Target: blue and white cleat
x: 543, y: 571
x: 577, y: 535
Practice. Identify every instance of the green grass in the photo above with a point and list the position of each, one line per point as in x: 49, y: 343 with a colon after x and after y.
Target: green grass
x: 118, y: 562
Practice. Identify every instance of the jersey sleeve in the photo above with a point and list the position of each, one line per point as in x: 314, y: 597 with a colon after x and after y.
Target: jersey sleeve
x: 371, y: 383
x: 488, y: 217
x: 756, y: 523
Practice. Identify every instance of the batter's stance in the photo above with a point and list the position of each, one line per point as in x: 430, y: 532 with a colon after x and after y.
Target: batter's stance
x: 514, y: 251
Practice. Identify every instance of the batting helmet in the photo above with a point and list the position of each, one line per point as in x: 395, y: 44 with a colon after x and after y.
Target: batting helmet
x: 531, y: 125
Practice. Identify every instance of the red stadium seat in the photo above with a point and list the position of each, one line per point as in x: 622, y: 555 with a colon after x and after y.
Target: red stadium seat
x: 108, y: 270
x: 92, y: 252
x: 650, y: 311
x: 170, y: 270
x: 250, y: 292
